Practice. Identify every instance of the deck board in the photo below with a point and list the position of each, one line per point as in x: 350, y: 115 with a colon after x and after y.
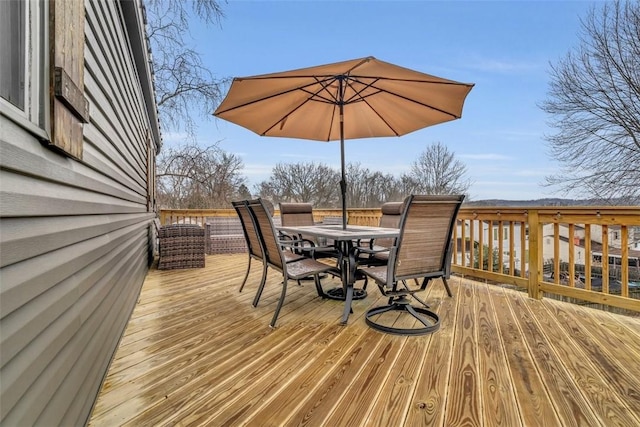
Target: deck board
x: 568, y: 402
x: 499, y: 405
x: 195, y: 352
x: 613, y: 364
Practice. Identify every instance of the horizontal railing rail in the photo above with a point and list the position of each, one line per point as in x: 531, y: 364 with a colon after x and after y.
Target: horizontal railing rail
x: 586, y: 254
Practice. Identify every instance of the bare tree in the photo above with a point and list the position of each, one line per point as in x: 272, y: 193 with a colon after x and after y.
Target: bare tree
x: 312, y: 182
x: 436, y: 171
x: 185, y: 88
x: 367, y: 189
x: 192, y: 177
x: 594, y: 101
x: 405, y: 185
x: 244, y: 193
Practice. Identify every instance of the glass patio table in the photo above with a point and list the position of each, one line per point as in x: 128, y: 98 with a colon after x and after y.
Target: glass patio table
x: 344, y: 241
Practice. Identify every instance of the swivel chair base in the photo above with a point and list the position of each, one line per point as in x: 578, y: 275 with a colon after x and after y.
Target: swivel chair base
x: 429, y: 319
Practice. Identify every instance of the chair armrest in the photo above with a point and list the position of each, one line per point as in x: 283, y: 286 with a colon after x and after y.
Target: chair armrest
x: 373, y: 250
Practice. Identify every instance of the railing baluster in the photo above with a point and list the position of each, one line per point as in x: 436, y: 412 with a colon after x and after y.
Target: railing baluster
x: 605, y: 259
x: 587, y: 260
x: 624, y: 268
x: 572, y: 256
x: 511, y: 248
x: 535, y: 253
x: 556, y: 253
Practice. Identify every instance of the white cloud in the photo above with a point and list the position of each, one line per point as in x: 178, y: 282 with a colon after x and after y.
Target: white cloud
x: 505, y: 66
x: 531, y: 172
x: 257, y: 170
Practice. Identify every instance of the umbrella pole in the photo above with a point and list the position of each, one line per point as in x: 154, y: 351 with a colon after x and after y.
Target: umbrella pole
x: 343, y: 188
x: 343, y: 181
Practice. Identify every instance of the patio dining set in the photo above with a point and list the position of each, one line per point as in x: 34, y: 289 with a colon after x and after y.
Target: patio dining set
x: 410, y: 248
x: 359, y: 98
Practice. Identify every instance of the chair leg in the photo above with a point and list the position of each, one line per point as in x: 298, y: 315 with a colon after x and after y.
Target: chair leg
x: 246, y: 275
x: 280, y: 302
x: 420, y: 300
x: 316, y: 279
x: 446, y: 286
x: 261, y: 286
x: 429, y: 327
x: 366, y: 282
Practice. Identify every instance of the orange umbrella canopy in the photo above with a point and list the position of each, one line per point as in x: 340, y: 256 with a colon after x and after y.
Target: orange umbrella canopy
x: 360, y: 98
x: 378, y: 99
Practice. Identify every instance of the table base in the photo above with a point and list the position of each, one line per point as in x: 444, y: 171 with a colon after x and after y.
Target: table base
x: 338, y: 293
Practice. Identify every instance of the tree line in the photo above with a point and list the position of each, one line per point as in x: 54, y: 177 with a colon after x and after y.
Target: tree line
x: 191, y: 177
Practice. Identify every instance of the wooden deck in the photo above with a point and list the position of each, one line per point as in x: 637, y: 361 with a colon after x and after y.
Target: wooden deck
x: 196, y: 352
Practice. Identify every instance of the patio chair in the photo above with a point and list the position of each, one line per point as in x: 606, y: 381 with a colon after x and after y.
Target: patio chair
x: 274, y: 256
x: 422, y: 251
x: 300, y: 214
x: 376, y: 252
x: 254, y: 248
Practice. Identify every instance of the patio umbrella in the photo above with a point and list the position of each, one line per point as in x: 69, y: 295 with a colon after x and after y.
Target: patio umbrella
x: 360, y: 98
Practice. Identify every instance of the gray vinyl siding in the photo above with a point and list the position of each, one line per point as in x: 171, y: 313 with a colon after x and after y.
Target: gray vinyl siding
x: 74, y: 238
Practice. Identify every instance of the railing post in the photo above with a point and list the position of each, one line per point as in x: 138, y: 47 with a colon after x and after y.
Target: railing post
x: 535, y: 254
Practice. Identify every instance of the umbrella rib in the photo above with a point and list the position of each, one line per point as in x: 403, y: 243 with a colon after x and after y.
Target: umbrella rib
x: 358, y: 97
x: 423, y: 104
x: 372, y: 85
x: 324, y: 83
x: 334, y: 99
x: 265, y: 98
x: 362, y: 98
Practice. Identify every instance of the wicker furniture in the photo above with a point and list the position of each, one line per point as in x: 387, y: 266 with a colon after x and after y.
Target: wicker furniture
x: 224, y: 236
x: 181, y: 246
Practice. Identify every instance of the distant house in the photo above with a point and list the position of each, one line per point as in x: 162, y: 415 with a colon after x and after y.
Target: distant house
x: 494, y: 232
x: 612, y: 235
x: 563, y: 243
x: 78, y: 138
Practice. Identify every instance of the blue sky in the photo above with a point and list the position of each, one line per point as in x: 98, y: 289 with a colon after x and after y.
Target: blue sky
x: 504, y: 47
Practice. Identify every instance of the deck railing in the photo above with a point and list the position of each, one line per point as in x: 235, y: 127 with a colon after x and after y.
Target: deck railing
x: 579, y: 253
x: 358, y: 216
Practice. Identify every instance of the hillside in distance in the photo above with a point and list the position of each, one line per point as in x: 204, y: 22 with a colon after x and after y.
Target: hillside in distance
x: 543, y: 202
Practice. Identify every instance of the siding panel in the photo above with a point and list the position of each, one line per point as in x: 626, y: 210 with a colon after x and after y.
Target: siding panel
x: 27, y: 196
x: 106, y: 64
x: 23, y: 239
x: 17, y: 159
x: 35, y: 310
x: 85, y: 348
x: 75, y: 235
